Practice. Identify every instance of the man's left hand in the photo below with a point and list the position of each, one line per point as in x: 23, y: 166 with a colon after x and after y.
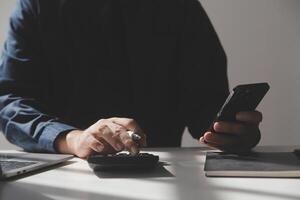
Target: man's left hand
x: 238, y: 136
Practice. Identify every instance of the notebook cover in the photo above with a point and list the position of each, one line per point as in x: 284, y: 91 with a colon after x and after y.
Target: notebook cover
x: 270, y: 164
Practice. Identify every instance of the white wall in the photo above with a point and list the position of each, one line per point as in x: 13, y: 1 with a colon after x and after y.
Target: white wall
x: 5, y: 8
x: 261, y: 38
x: 262, y: 41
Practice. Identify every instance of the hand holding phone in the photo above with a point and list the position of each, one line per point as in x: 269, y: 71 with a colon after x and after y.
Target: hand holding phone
x: 233, y: 134
x: 242, y: 98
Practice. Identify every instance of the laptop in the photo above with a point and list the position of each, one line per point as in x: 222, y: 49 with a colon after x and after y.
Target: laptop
x: 17, y: 163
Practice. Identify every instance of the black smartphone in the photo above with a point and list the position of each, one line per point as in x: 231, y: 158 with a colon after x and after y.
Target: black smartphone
x: 242, y: 98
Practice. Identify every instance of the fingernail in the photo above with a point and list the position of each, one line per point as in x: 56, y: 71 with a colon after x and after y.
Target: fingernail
x: 207, y: 136
x: 216, y: 125
x: 201, y: 140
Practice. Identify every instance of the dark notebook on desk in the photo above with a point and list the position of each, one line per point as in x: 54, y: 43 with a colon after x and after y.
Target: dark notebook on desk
x: 254, y: 164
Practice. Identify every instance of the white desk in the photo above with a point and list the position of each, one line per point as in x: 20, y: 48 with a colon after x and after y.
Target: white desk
x: 182, y: 179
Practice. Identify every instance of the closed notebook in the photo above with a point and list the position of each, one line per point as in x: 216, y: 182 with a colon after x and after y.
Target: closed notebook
x: 255, y: 164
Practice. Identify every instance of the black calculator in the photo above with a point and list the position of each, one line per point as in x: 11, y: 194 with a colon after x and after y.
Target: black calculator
x: 123, y: 161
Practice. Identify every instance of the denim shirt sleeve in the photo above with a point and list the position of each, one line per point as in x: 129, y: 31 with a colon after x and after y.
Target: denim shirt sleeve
x: 24, y: 119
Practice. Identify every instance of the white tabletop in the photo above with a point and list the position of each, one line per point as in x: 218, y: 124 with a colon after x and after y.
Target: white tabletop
x: 181, y: 178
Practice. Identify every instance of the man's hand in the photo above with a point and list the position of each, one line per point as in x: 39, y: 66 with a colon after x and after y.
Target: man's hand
x: 238, y: 136
x: 104, y: 137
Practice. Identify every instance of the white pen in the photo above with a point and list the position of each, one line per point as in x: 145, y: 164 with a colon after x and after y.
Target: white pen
x: 134, y: 136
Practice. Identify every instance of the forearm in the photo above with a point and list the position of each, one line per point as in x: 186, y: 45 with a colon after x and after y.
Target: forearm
x: 24, y: 118
x: 27, y: 125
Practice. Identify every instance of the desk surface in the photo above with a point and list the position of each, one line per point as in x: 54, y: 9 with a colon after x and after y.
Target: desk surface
x: 181, y: 178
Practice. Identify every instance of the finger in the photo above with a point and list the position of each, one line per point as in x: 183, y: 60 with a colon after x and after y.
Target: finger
x: 108, y: 149
x: 130, y: 145
x: 95, y: 144
x: 108, y: 135
x: 117, y: 131
x: 128, y: 123
x: 229, y: 127
x: 253, y: 117
x: 140, y: 140
x: 132, y: 125
x: 201, y: 140
x: 211, y: 145
x: 220, y: 140
x: 143, y: 141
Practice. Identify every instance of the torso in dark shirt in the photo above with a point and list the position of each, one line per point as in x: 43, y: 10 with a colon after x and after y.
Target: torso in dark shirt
x: 157, y: 61
x: 99, y: 77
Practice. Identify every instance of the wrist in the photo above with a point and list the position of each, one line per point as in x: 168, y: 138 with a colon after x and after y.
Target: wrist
x: 66, y: 143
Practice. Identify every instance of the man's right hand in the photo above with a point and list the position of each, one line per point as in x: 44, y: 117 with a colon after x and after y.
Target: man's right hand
x: 106, y: 136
